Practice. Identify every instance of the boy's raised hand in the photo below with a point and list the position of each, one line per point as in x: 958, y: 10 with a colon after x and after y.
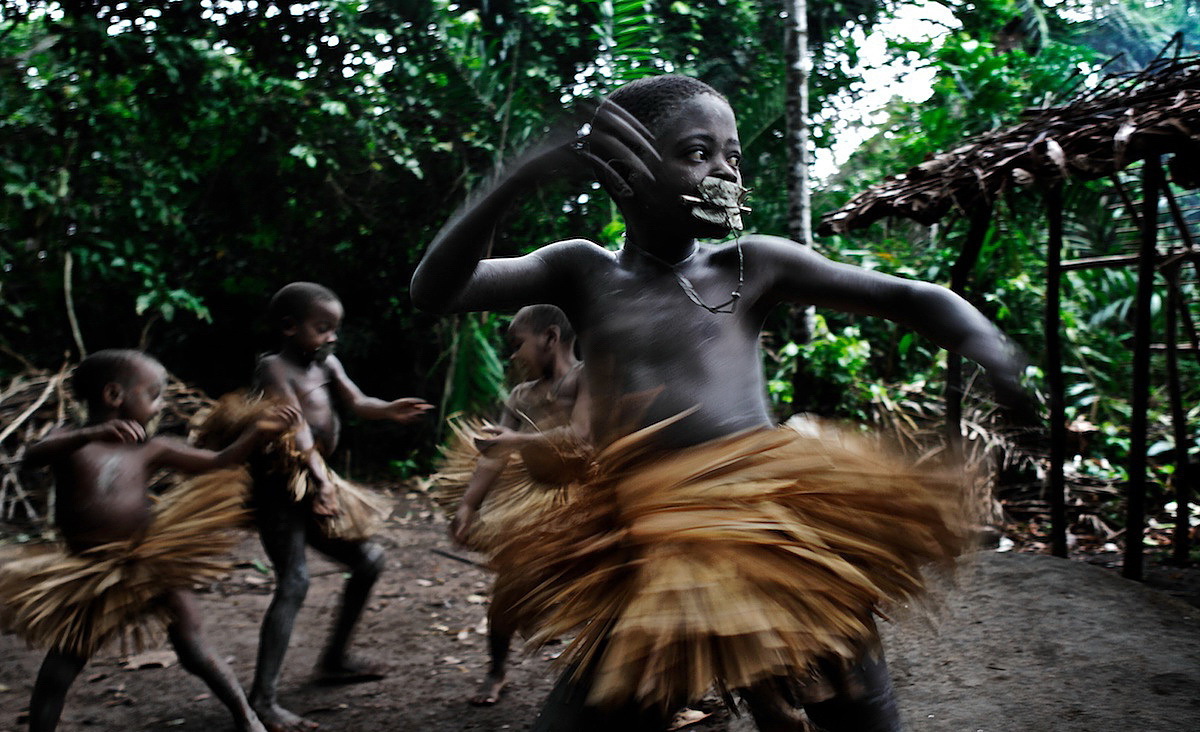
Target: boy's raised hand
x: 603, y: 142
x: 407, y: 409
x: 119, y: 430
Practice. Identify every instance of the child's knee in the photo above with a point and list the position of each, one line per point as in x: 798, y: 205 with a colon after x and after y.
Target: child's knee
x: 292, y: 585
x: 372, y: 563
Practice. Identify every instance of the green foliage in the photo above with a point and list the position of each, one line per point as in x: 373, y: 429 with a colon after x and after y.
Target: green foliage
x: 475, y: 384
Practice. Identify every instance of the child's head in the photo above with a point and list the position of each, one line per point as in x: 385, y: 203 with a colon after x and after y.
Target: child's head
x: 654, y: 99
x: 538, y: 334
x: 308, y: 316
x: 698, y: 178
x: 122, y: 383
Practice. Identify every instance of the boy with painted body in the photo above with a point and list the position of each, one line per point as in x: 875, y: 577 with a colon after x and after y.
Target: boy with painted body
x: 679, y: 321
x: 517, y: 462
x: 112, y: 529
x: 306, y: 375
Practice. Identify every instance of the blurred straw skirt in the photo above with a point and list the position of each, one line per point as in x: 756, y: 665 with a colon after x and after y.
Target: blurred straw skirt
x: 760, y: 555
x: 280, y: 471
x: 532, y: 484
x: 78, y: 602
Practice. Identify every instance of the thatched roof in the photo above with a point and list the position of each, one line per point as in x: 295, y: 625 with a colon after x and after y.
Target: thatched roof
x: 1127, y: 117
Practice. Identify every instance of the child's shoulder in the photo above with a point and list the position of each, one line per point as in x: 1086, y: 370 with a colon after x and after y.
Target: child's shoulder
x: 576, y: 251
x: 273, y: 368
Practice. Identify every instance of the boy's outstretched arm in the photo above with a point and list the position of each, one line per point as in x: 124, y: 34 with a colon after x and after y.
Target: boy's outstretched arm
x: 798, y: 274
x: 487, y: 469
x: 403, y: 410
x: 177, y: 455
x: 62, y: 442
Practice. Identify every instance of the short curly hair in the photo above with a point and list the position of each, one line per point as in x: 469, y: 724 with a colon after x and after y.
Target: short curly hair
x: 539, y: 318
x: 653, y: 99
x: 112, y: 365
x: 294, y: 300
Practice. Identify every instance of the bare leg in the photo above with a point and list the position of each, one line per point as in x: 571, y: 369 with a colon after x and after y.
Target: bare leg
x: 54, y: 679
x: 500, y: 635
x: 566, y: 710
x: 187, y: 636
x: 282, y: 529
x: 365, y: 561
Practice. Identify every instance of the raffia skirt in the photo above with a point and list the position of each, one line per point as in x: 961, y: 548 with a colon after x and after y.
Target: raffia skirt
x: 280, y: 471
x: 78, y: 602
x: 761, y: 555
x: 517, y: 500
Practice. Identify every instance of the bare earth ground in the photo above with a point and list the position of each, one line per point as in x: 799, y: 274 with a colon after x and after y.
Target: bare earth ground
x: 1026, y: 643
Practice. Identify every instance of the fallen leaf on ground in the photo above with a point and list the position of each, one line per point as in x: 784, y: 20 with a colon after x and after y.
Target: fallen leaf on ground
x: 151, y: 659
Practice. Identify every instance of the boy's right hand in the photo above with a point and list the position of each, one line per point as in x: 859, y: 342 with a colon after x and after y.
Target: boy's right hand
x: 119, y: 430
x: 460, y: 525
x: 325, y: 503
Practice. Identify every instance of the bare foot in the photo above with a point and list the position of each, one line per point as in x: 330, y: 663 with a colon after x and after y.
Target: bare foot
x: 489, y: 691
x: 349, y: 671
x: 253, y: 724
x: 277, y: 719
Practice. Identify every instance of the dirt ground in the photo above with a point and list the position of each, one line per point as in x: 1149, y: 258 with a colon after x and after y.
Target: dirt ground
x: 1025, y: 642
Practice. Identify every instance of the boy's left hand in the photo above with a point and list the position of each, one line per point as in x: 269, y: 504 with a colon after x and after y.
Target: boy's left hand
x: 408, y: 409
x: 278, y: 419
x: 499, y: 441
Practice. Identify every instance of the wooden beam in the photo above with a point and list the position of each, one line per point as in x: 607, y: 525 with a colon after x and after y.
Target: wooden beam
x: 1054, y: 373
x: 981, y: 221
x: 1125, y: 260
x: 1135, y: 517
x: 1181, y: 479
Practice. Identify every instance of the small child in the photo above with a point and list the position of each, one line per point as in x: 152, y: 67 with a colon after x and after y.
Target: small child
x: 128, y: 562
x: 306, y: 375
x: 504, y: 479
x: 706, y: 546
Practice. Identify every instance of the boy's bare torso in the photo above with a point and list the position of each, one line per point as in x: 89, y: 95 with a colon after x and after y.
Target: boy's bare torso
x: 313, y: 388
x: 656, y: 353
x: 536, y: 405
x: 102, y: 493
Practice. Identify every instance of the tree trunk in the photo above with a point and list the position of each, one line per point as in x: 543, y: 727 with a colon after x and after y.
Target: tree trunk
x: 799, y: 66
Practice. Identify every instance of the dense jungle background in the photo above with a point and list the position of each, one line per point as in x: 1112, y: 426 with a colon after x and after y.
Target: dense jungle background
x: 168, y: 165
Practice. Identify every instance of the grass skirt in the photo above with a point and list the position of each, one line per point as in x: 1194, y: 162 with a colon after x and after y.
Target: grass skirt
x: 759, y: 555
x: 516, y: 500
x: 78, y: 602
x: 361, y: 511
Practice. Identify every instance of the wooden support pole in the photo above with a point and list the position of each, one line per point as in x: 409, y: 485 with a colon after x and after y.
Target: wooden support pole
x: 1183, y: 443
x: 981, y: 220
x: 1056, y: 482
x: 1135, y: 516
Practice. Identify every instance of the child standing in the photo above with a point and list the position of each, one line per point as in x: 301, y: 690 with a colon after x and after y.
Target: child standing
x: 127, y: 563
x: 506, y: 477
x: 707, y: 546
x: 305, y: 375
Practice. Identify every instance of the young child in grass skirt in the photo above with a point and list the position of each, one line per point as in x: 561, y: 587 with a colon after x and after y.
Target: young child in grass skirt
x: 508, y: 478
x: 709, y: 547
x: 127, y: 564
